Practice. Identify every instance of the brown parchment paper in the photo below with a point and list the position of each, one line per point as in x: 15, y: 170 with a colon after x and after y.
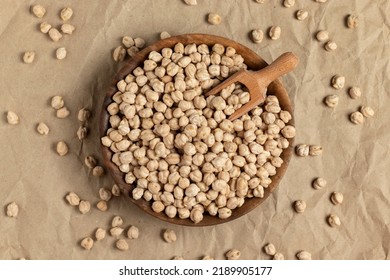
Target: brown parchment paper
x: 355, y: 161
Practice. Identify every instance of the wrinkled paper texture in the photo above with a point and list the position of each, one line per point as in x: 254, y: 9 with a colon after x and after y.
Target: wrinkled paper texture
x: 355, y: 161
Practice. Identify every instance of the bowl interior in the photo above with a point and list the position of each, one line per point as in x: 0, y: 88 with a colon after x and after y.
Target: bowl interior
x: 254, y: 62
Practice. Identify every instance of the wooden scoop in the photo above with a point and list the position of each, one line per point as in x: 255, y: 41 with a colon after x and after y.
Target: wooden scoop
x: 257, y: 81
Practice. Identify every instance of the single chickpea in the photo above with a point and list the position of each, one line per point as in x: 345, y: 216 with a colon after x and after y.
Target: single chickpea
x: 333, y: 220
x: 322, y: 35
x: 274, y: 32
x: 330, y: 46
x: 257, y: 36
x: 357, y: 118
x: 355, y: 92
x: 299, y: 206
x: 214, y: 19
x: 337, y: 198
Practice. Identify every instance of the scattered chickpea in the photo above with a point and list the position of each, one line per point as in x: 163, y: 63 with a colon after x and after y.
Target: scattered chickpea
x: 301, y: 14
x: 367, y: 111
x: 269, y: 249
x: 274, y: 32
x: 132, y: 51
x: 100, y: 234
x: 300, y: 206
x: 191, y: 2
x: 44, y: 27
x: 43, y: 129
x: 119, y: 54
x: 12, y: 210
x: 116, y: 231
x: 102, y: 206
x: 62, y: 148
x: 302, y: 150
x: 334, y: 220
x: 330, y: 46
x: 288, y: 3
x: 357, y: 118
x: 106, y: 195
x: 169, y: 236
x: 87, y: 243
x: 355, y: 92
x: 122, y: 245
x: 337, y: 198
x: 61, y: 53
x: 322, y: 35
x: 57, y: 102
x: 133, y: 232
x: 233, y: 254
x: 319, y: 183
x: 127, y: 41
x: 28, y: 57
x: 214, y: 19
x: 303, y: 255
x: 331, y: 100
x: 83, y: 115
x: 84, y: 206
x: 115, y: 190
x: 90, y: 161
x: 117, y: 221
x: 54, y: 34
x: 66, y: 14
x: 73, y: 199
x: 139, y: 43
x: 164, y: 35
x: 98, y: 171
x: 38, y: 10
x: 352, y: 21
x: 257, y: 36
x: 278, y: 256
x: 315, y: 150
x: 338, y: 81
x: 62, y: 113
x: 12, y: 118
x: 67, y: 28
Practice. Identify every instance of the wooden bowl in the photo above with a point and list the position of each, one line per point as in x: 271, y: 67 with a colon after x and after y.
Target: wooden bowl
x: 254, y: 62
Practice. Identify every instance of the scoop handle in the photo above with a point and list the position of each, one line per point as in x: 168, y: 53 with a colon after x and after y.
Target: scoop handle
x: 280, y: 66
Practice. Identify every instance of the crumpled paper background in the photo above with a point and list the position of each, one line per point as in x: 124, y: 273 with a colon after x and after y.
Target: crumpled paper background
x: 355, y: 159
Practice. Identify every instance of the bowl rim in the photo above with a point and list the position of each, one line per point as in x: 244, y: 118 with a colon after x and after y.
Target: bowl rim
x: 254, y: 62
